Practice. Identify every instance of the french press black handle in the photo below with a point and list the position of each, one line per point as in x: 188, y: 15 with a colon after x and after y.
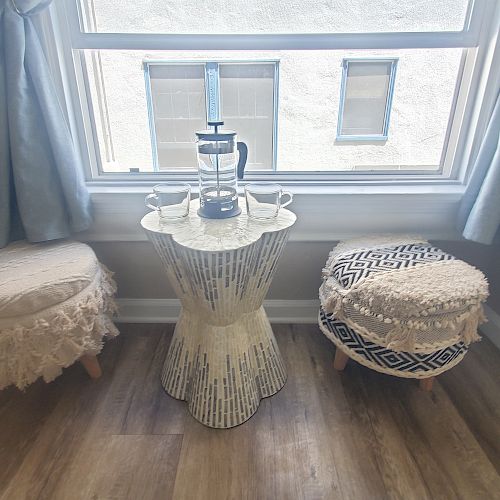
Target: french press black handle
x: 243, y: 154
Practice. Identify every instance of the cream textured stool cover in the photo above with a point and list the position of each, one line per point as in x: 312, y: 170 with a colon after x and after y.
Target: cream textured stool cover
x: 401, y: 306
x: 55, y: 302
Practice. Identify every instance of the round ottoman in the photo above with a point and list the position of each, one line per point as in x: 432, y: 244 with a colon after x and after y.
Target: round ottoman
x: 400, y: 306
x: 55, y: 303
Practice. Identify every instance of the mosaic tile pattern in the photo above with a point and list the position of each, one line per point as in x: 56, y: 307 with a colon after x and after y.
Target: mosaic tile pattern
x: 223, y: 358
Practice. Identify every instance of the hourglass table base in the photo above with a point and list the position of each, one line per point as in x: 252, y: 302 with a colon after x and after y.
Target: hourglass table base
x: 223, y: 358
x: 223, y: 371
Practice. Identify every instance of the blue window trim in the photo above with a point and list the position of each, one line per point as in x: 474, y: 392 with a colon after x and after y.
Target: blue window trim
x: 212, y: 95
x: 151, y: 118
x: 212, y: 90
x: 388, y: 105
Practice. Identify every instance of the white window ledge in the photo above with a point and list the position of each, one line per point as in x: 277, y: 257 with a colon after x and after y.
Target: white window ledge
x: 325, y: 213
x: 443, y: 189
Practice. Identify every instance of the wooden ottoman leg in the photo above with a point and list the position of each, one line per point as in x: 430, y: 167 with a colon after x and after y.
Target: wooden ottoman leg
x: 341, y: 359
x: 426, y: 384
x: 91, y: 365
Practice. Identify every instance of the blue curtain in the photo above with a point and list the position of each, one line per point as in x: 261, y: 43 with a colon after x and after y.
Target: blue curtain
x: 479, y: 215
x: 42, y: 190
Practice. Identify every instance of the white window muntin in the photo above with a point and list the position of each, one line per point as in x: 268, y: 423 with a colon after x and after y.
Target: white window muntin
x: 469, y: 36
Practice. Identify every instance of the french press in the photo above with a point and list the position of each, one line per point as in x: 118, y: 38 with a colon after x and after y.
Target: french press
x: 219, y: 170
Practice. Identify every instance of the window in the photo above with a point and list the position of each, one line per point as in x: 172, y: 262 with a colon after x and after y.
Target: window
x: 182, y: 97
x: 269, y: 16
x: 337, y: 85
x: 365, y: 99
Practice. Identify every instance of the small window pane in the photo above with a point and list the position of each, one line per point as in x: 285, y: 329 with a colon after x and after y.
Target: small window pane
x: 178, y: 101
x: 367, y: 87
x: 247, y: 106
x: 271, y: 16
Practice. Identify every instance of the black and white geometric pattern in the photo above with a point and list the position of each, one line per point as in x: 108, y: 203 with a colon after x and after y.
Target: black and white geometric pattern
x: 403, y: 364
x: 349, y: 268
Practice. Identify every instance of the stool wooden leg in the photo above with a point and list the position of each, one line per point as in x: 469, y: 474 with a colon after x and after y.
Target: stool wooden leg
x: 91, y: 365
x: 426, y: 384
x: 341, y: 359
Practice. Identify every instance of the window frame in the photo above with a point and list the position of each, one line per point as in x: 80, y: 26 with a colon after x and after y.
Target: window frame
x: 212, y: 97
x: 71, y: 41
x: 388, y: 103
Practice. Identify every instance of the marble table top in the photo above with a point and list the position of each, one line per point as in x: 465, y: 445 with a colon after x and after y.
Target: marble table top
x: 215, y: 235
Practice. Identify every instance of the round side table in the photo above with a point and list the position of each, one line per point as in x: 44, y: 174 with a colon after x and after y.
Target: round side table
x: 223, y: 358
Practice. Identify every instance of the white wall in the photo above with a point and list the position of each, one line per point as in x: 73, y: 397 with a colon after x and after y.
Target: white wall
x: 269, y: 16
x: 140, y: 276
x: 121, y: 243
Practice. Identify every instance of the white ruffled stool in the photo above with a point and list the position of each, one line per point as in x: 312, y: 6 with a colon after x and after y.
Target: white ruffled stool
x: 55, y: 305
x: 400, y: 306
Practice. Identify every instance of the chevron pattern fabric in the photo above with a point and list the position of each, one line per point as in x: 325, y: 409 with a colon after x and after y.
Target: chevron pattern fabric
x: 382, y: 359
x: 352, y: 267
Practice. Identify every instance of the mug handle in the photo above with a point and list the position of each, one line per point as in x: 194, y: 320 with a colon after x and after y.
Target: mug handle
x: 286, y: 193
x: 150, y: 197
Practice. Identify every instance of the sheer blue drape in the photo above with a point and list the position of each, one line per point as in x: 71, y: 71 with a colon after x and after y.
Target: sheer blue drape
x: 479, y: 215
x: 41, y: 183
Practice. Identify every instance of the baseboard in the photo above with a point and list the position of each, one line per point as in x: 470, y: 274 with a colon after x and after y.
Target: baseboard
x: 492, y: 327
x: 279, y: 311
x: 148, y: 310
x: 167, y: 311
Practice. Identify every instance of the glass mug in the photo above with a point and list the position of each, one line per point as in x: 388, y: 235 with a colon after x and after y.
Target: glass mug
x: 265, y: 200
x: 170, y: 200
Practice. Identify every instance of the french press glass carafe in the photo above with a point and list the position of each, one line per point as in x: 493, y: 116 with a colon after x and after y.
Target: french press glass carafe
x: 220, y: 167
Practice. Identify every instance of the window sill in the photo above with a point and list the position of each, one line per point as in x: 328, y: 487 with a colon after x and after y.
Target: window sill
x: 325, y: 213
x: 446, y: 189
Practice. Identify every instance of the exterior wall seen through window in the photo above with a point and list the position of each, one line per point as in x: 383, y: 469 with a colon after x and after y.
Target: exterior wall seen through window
x: 308, y: 106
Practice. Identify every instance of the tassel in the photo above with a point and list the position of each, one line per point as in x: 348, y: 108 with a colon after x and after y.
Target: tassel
x: 334, y: 305
x: 401, y: 338
x: 469, y: 331
x: 481, y: 316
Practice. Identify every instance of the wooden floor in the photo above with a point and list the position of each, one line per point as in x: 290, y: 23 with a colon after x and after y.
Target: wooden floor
x: 356, y: 435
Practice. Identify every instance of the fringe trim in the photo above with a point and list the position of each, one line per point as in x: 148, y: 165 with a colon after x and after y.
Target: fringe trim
x: 403, y: 336
x: 385, y: 297
x: 461, y: 317
x: 388, y: 371
x: 46, y: 346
